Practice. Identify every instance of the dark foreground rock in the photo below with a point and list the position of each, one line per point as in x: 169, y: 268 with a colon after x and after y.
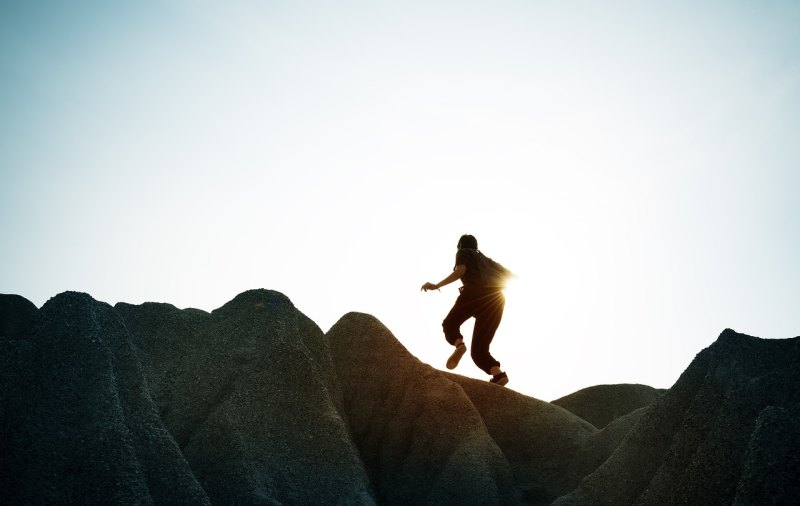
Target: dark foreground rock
x: 713, y: 437
x: 253, y: 404
x: 250, y: 394
x: 77, y: 421
x: 421, y: 438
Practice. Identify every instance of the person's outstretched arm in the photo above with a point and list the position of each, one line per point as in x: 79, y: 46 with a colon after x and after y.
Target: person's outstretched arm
x: 455, y: 275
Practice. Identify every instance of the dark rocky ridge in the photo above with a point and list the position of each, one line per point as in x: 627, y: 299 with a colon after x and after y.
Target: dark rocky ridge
x: 713, y: 437
x: 253, y: 404
x: 78, y: 423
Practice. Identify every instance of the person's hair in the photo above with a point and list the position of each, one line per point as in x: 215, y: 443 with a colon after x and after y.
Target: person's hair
x: 467, y: 241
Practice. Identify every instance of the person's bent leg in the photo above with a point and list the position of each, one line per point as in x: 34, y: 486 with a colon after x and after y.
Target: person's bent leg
x: 451, y: 325
x: 486, y: 323
x: 452, y: 330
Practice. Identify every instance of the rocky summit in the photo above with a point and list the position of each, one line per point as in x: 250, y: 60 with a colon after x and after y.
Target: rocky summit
x: 253, y: 404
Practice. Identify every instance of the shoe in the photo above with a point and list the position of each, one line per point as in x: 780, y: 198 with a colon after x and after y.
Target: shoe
x: 499, y: 379
x: 455, y: 358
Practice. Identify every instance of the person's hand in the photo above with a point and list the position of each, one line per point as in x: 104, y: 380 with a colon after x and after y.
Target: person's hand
x: 429, y: 286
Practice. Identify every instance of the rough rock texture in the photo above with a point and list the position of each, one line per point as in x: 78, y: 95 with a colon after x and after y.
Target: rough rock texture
x: 253, y: 404
x: 602, y: 404
x: 250, y: 394
x: 772, y: 465
x: 78, y: 424
x: 713, y: 438
x: 421, y: 438
x: 548, y: 448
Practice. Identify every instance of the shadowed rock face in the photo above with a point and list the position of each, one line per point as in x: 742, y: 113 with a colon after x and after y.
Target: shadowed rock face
x: 232, y: 407
x: 251, y: 397
x: 602, y: 404
x: 706, y: 440
x: 420, y: 436
x: 78, y: 425
x: 549, y: 449
x: 253, y: 404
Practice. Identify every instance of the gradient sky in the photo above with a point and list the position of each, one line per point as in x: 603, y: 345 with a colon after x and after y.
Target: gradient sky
x: 637, y: 164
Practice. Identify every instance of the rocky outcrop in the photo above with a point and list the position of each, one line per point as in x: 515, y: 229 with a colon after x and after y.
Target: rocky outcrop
x: 706, y: 440
x: 250, y: 394
x: 253, y: 404
x: 421, y: 438
x: 549, y: 449
x: 78, y: 424
x: 602, y: 404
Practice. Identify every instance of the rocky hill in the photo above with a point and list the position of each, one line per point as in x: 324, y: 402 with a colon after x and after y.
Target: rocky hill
x: 602, y: 404
x: 253, y: 404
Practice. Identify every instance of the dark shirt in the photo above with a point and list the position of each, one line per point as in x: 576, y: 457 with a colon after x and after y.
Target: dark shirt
x: 469, y: 259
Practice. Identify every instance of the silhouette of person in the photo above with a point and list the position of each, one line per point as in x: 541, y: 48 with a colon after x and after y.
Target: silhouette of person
x: 475, y: 300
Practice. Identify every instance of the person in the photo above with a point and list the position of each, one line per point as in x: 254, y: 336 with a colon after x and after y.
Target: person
x: 477, y: 299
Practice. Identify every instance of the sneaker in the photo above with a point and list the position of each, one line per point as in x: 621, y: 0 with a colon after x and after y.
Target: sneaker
x: 499, y: 379
x: 455, y: 358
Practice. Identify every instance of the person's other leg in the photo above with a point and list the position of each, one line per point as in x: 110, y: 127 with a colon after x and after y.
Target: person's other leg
x: 486, y: 322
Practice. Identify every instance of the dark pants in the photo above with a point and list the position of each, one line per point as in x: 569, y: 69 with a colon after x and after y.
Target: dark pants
x: 486, y: 306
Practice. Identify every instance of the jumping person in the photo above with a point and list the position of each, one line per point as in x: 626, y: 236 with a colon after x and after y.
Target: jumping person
x: 481, y: 297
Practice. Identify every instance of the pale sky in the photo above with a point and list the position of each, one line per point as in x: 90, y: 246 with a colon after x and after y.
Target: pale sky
x: 637, y: 164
